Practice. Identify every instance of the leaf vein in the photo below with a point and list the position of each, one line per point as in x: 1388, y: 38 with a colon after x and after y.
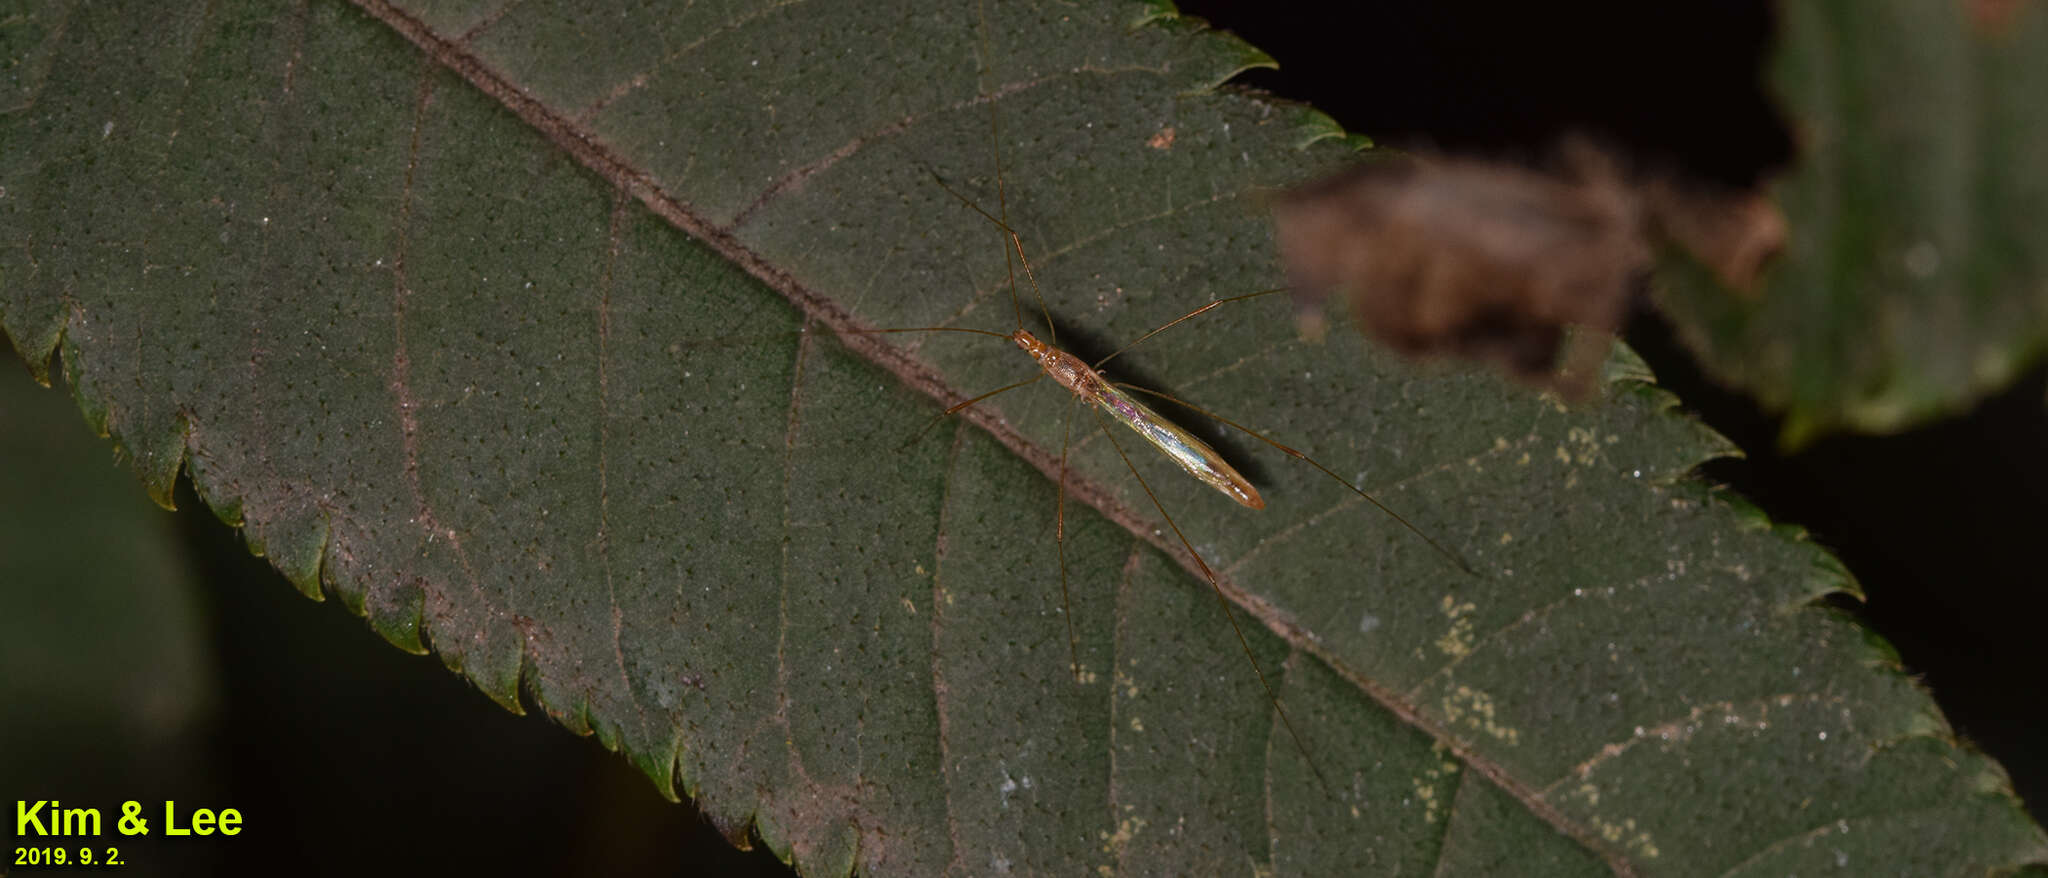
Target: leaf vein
x: 639, y: 80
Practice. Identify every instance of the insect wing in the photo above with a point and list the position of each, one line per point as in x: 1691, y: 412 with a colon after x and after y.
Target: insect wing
x: 1191, y: 453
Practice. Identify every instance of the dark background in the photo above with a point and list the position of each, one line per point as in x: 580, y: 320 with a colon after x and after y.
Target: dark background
x: 398, y: 766
x: 1943, y: 525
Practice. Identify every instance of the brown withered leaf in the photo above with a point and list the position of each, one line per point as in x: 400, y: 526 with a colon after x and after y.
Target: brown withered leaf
x: 1734, y: 233
x: 1490, y: 261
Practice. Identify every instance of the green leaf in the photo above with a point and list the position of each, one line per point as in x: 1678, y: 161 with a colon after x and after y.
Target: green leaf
x: 488, y: 321
x: 1913, y: 282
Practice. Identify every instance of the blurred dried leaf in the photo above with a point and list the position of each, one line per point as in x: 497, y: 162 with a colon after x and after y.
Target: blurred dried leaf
x: 1492, y: 261
x: 1734, y: 233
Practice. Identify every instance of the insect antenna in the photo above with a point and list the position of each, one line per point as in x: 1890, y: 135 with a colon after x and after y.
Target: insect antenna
x: 985, y: 79
x: 1014, y: 245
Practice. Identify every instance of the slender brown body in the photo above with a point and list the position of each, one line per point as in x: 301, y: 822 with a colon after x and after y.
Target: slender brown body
x: 1193, y: 455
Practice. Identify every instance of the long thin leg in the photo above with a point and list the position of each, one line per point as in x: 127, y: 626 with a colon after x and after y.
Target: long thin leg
x: 1184, y: 318
x: 1059, y: 535
x: 1223, y: 600
x: 928, y: 425
x: 753, y: 338
x: 925, y: 329
x: 1297, y: 455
